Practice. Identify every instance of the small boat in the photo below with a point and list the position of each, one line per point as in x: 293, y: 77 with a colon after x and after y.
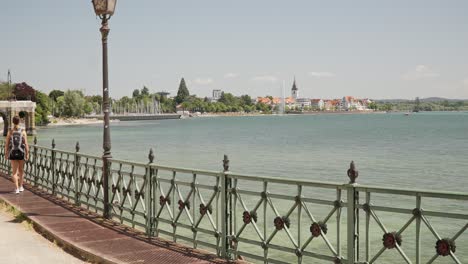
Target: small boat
x: 407, y: 114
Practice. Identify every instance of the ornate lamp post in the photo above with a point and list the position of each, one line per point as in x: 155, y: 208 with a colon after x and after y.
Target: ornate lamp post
x: 105, y: 9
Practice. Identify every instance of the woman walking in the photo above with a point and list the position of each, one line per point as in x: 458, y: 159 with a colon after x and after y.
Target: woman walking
x: 18, y: 151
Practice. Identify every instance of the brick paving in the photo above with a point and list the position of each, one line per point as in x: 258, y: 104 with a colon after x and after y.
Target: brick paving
x: 88, y: 235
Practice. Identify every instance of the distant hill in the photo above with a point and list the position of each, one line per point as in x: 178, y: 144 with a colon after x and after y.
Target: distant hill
x: 440, y: 99
x: 425, y: 100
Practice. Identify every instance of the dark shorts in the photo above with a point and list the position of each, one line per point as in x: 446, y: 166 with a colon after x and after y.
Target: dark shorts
x: 21, y: 157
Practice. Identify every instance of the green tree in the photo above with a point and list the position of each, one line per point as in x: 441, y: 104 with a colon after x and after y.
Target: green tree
x: 136, y: 93
x: 372, y: 106
x: 144, y: 91
x: 54, y: 94
x: 417, y: 105
x: 88, y: 108
x: 263, y: 107
x: 42, y: 108
x: 73, y: 103
x: 246, y: 100
x: 5, y: 91
x: 183, y: 92
x: 228, y: 99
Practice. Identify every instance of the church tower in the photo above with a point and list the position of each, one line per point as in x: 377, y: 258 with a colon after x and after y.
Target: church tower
x: 294, y: 90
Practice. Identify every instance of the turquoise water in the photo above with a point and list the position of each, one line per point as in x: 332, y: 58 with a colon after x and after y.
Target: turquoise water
x: 420, y: 150
x: 424, y: 151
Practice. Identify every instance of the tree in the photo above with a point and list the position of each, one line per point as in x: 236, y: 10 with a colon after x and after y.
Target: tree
x: 23, y: 91
x: 182, y: 93
x: 54, y: 94
x: 228, y: 99
x: 136, y: 93
x: 144, y: 91
x: 5, y: 90
x: 245, y: 100
x: 372, y: 106
x: 42, y: 108
x: 73, y: 103
x: 263, y: 107
x: 88, y: 108
x: 417, y: 105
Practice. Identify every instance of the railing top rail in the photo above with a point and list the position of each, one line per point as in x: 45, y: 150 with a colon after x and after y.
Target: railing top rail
x: 413, y: 192
x: 320, y: 184
x: 88, y: 156
x: 169, y: 168
x: 41, y: 147
x: 127, y: 162
x: 187, y: 170
x: 62, y: 151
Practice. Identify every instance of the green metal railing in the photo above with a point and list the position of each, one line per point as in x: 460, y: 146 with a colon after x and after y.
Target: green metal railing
x: 264, y: 219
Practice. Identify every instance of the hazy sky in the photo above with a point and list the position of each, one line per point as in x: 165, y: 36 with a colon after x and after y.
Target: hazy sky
x: 375, y: 48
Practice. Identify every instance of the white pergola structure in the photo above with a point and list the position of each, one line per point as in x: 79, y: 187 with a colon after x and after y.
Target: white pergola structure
x: 9, y: 109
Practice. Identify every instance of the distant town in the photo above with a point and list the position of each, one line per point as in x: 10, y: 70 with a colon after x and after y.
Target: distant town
x: 74, y: 104
x: 296, y: 103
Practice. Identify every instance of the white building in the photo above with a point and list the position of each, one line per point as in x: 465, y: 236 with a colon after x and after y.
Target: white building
x: 351, y: 103
x: 303, y: 102
x: 216, y: 96
x: 317, y: 103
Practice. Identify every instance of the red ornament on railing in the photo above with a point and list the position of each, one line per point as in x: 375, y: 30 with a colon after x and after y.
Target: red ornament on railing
x: 444, y: 246
x: 247, y: 217
x: 204, y: 209
x: 163, y: 200
x: 281, y: 222
x: 390, y: 240
x: 183, y: 204
x: 316, y: 229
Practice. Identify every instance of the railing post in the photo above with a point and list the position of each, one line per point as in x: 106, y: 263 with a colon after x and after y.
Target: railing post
x: 352, y: 215
x: 76, y: 174
x: 106, y: 173
x: 148, y: 196
x: 226, y: 208
x: 4, y: 160
x: 52, y: 165
x: 8, y: 163
x: 34, y: 161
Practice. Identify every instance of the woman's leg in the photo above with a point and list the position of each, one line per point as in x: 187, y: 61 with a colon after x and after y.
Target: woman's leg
x: 20, y: 172
x: 14, y: 166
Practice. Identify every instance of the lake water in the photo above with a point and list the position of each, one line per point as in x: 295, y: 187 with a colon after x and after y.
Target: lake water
x: 420, y: 150
x: 423, y: 151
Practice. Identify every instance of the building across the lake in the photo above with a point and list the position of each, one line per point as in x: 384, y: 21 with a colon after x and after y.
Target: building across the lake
x: 216, y: 95
x: 163, y: 94
x: 347, y: 103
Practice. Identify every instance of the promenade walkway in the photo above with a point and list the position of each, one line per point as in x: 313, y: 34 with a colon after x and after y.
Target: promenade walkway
x: 20, y: 245
x: 92, y: 238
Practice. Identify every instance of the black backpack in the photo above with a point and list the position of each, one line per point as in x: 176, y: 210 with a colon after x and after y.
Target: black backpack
x: 16, y: 144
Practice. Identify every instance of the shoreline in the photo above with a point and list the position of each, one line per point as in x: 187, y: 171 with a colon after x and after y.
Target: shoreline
x: 73, y: 121
x: 57, y: 122
x: 285, y: 114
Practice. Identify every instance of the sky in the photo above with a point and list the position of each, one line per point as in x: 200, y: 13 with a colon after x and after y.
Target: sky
x: 365, y: 48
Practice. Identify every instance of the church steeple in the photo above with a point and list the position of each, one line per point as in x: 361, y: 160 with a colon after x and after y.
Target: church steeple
x: 294, y: 90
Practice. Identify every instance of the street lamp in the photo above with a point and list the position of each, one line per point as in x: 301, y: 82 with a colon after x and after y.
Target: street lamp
x: 104, y: 10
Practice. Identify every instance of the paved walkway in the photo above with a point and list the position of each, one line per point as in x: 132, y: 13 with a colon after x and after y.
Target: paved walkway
x: 20, y: 245
x: 87, y: 234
